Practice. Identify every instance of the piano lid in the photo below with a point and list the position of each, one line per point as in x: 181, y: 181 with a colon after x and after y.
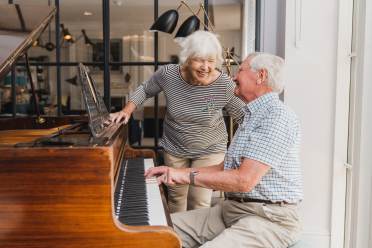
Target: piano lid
x: 20, y: 26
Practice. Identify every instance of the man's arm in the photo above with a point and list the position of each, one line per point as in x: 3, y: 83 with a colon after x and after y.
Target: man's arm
x: 243, y: 179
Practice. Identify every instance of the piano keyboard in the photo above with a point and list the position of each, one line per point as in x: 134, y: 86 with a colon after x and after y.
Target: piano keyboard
x: 137, y: 200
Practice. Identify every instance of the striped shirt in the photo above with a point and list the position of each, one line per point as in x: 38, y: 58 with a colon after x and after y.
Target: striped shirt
x: 194, y: 123
x: 270, y: 134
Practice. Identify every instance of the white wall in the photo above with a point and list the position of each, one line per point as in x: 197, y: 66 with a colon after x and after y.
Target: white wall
x: 361, y: 222
x: 310, y: 91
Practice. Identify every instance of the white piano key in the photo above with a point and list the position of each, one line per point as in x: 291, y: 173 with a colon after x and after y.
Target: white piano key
x: 154, y: 201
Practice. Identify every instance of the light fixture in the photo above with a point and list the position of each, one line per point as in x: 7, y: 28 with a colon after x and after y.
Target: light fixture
x: 167, y: 22
x: 189, y: 26
x: 36, y: 43
x: 66, y: 34
x: 86, y: 38
x: 87, y: 13
x: 49, y: 46
x: 72, y: 80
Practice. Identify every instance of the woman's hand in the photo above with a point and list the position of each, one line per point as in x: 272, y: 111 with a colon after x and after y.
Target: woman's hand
x: 120, y: 116
x: 124, y: 114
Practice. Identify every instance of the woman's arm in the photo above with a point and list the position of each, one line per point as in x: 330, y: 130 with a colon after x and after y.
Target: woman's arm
x: 147, y: 89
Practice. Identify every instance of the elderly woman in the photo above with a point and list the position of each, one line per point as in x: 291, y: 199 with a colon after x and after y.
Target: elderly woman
x: 195, y: 134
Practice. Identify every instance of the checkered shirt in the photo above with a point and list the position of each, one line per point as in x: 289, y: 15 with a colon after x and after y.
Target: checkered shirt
x: 270, y: 134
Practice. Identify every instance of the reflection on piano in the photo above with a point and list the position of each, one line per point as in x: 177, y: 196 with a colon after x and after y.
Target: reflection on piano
x: 72, y: 182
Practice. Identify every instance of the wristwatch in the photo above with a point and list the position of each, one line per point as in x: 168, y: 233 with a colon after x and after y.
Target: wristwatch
x: 192, y: 175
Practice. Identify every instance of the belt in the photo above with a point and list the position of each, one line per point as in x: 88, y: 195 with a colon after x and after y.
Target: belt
x: 241, y: 199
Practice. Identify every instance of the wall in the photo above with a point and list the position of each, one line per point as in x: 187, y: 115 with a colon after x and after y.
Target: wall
x: 361, y: 222
x: 310, y: 91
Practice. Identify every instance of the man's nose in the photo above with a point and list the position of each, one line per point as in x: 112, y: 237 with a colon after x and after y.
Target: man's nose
x: 235, y: 77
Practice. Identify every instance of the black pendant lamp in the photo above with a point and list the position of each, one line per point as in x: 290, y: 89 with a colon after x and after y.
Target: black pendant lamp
x: 49, y: 46
x: 166, y: 22
x: 189, y: 26
x: 86, y: 38
x: 72, y: 80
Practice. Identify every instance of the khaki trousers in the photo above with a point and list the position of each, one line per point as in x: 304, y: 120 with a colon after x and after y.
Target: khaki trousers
x: 234, y: 224
x: 188, y: 197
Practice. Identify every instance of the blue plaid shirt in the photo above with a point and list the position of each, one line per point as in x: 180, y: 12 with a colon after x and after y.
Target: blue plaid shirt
x: 270, y: 134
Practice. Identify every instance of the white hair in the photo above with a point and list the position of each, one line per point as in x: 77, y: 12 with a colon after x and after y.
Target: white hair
x: 202, y: 44
x: 274, y: 66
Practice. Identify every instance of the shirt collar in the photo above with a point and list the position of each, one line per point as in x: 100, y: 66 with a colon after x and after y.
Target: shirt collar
x: 261, y: 101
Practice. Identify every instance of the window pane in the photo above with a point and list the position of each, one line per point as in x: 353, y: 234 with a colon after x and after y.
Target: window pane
x: 129, y: 23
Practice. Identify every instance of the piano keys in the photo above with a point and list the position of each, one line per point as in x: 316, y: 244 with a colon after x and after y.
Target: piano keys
x: 138, y: 200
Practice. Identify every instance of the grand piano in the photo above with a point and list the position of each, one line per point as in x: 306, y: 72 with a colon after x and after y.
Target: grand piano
x: 73, y: 181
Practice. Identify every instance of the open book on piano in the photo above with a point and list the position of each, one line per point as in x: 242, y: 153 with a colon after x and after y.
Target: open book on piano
x: 65, y: 182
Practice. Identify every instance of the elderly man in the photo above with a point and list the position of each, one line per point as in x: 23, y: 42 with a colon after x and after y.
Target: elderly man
x: 260, y: 173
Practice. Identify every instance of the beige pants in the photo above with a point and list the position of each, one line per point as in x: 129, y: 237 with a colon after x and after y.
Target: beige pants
x: 185, y: 197
x: 234, y: 224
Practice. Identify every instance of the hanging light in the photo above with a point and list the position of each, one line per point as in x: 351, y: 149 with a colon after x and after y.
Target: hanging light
x: 167, y: 22
x: 49, y: 46
x: 72, y: 80
x: 66, y: 34
x: 86, y: 38
x: 36, y: 43
x: 189, y: 26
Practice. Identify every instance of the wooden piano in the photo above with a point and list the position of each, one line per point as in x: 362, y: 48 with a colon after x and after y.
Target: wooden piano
x: 69, y: 182
x: 60, y: 190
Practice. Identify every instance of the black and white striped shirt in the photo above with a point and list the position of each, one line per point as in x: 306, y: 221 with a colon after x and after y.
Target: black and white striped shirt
x: 194, y: 123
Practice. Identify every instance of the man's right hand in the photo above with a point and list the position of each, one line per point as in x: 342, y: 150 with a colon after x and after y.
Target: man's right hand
x: 120, y: 116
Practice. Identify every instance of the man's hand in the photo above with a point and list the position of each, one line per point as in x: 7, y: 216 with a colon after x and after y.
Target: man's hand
x: 169, y: 176
x: 120, y: 116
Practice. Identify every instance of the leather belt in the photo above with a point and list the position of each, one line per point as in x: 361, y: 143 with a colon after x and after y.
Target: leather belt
x: 241, y: 199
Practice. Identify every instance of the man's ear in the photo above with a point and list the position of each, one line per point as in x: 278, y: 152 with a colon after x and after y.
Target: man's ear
x: 262, y: 76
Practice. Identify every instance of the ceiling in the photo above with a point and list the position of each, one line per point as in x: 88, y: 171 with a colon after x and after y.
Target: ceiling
x: 72, y: 10
x: 129, y: 16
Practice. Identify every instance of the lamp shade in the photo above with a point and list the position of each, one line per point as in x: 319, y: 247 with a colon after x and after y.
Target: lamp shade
x: 166, y: 22
x: 86, y: 38
x: 49, y: 46
x: 189, y: 26
x: 72, y: 80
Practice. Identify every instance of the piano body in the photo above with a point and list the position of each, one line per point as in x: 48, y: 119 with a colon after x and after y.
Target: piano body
x: 69, y: 182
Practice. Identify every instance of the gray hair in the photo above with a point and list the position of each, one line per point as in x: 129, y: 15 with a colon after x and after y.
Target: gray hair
x: 202, y: 44
x: 274, y: 66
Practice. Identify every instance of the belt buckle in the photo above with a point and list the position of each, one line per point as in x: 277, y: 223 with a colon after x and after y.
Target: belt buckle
x: 242, y: 200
